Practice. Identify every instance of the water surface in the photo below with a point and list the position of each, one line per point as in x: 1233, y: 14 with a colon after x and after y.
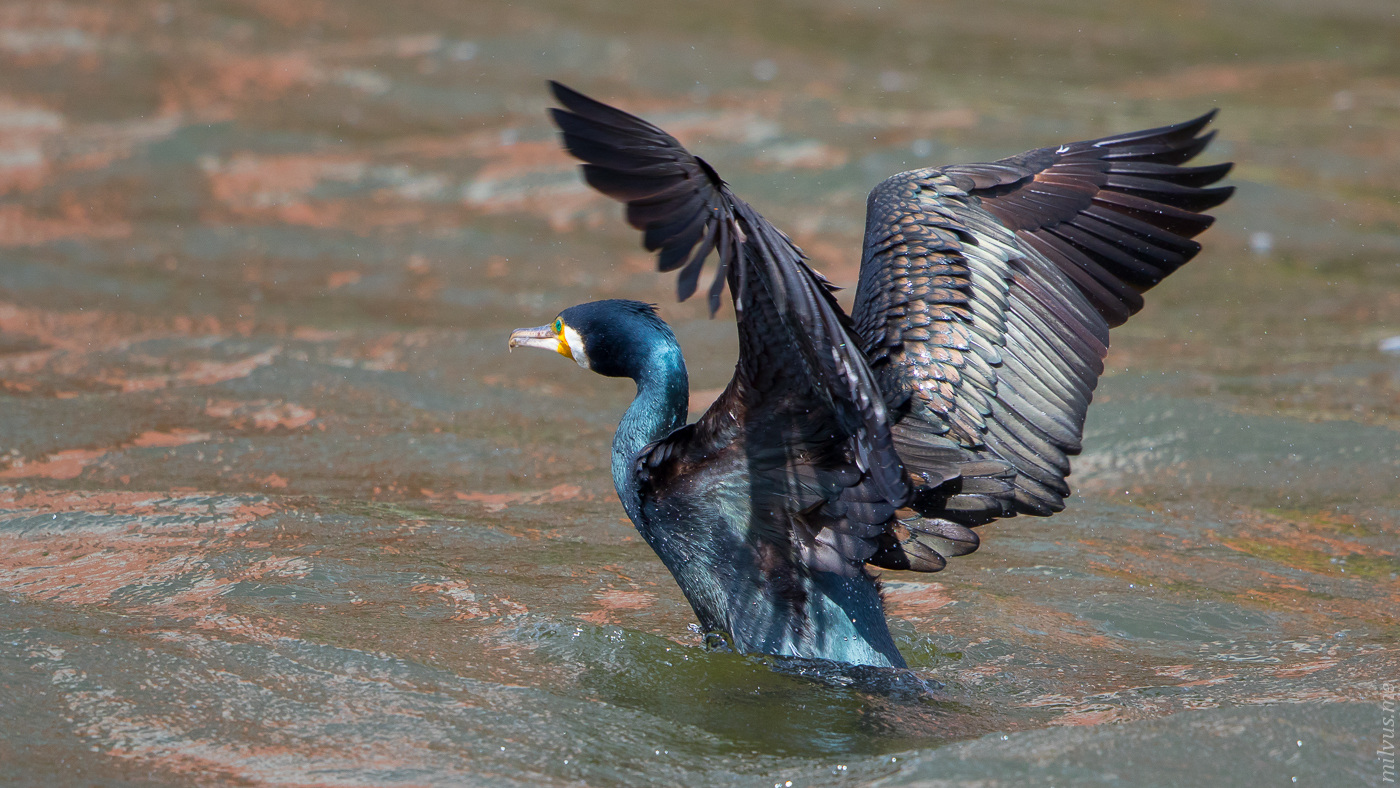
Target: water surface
x: 277, y: 508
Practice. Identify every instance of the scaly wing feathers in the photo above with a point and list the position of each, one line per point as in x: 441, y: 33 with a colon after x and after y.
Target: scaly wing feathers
x: 987, y: 291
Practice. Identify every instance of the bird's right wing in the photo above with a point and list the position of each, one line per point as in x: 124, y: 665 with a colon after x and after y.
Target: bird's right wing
x: 803, y: 422
x: 987, y: 291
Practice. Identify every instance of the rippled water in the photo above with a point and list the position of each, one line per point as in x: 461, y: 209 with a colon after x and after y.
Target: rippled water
x: 276, y: 506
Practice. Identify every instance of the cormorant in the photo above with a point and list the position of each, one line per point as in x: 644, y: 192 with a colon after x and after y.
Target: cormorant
x: 954, y: 393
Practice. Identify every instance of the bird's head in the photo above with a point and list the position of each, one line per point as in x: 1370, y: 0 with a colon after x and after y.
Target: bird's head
x: 616, y: 338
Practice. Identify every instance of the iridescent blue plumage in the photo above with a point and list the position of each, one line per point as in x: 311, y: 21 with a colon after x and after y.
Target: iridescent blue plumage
x: 702, y: 521
x: 626, y: 339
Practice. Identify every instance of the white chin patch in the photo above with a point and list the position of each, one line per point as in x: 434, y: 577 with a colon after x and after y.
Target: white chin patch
x: 576, y: 346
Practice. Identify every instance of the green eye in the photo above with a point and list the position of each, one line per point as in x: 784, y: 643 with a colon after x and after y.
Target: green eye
x: 558, y: 325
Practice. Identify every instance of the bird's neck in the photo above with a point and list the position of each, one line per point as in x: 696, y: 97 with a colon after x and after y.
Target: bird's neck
x: 661, y: 406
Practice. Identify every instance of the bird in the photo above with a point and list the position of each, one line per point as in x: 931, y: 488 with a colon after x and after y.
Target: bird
x: 952, y: 395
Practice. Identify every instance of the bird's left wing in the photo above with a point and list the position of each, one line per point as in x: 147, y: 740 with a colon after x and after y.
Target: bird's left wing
x: 987, y: 292
x: 803, y: 414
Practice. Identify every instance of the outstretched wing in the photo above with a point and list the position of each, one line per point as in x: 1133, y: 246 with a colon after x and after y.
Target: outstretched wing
x: 987, y: 291
x: 802, y: 422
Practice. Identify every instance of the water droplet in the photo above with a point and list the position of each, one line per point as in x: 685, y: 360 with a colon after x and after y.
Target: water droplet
x: 1261, y: 243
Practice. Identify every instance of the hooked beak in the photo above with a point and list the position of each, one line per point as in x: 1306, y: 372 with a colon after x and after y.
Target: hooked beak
x: 541, y: 337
